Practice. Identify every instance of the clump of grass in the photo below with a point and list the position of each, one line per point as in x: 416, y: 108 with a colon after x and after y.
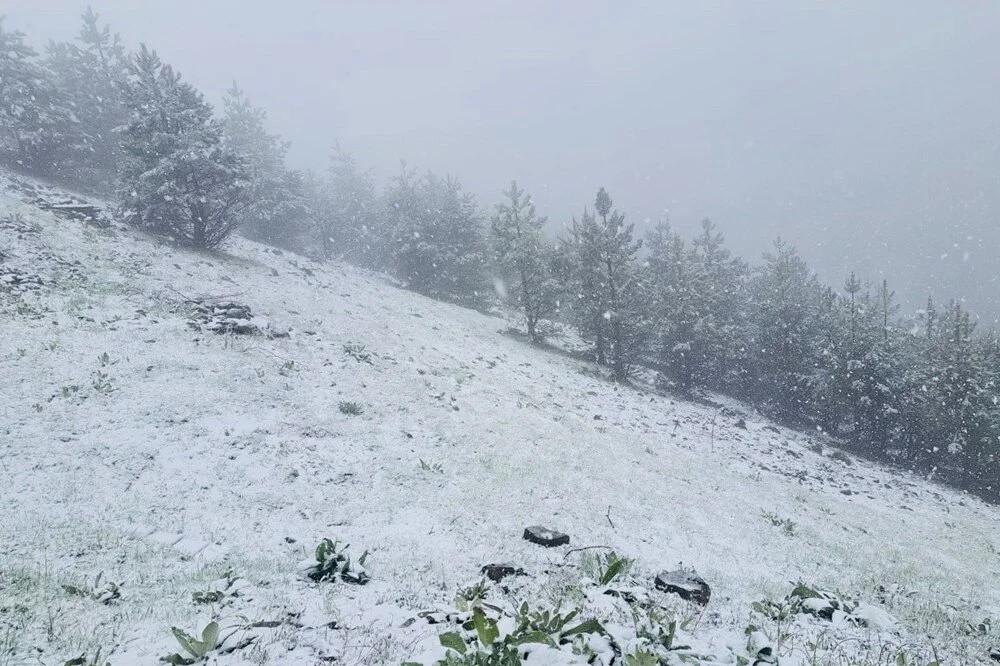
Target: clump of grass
x: 437, y: 468
x: 351, y: 408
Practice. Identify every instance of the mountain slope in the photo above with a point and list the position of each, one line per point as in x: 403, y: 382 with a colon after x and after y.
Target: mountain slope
x: 135, y: 445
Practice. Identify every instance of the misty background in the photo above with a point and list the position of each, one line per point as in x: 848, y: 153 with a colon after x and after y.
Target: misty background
x: 866, y: 134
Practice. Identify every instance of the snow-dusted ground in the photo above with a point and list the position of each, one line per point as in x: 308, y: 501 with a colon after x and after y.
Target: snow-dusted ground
x: 134, y: 445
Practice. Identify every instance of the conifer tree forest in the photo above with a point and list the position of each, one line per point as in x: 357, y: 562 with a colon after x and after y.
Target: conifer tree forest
x: 920, y: 389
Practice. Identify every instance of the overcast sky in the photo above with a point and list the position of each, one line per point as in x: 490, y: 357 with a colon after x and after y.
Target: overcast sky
x: 866, y: 133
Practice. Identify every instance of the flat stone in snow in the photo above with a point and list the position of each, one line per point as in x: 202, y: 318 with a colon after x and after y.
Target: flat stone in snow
x: 499, y: 571
x: 543, y: 536
x: 686, y: 584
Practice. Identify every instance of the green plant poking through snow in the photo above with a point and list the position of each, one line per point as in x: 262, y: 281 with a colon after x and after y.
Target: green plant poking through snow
x: 358, y: 352
x: 436, y: 467
x: 106, y: 592
x: 195, y: 647
x: 84, y: 660
x: 333, y: 562
x: 351, y: 408
x: 611, y: 566
x: 219, y: 590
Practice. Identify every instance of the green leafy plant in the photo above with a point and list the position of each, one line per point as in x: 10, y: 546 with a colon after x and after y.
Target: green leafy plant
x: 658, y: 631
x: 217, y: 591
x: 611, y: 566
x: 84, y: 660
x: 640, y: 657
x: 480, y: 641
x: 104, y: 591
x: 983, y: 628
x: 431, y: 467
x: 471, y: 596
x: 102, y: 382
x: 787, y: 525
x: 333, y: 562
x: 195, y: 647
x: 358, y: 352
x: 351, y: 408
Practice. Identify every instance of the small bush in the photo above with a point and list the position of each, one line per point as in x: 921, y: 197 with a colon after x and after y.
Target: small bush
x: 333, y: 562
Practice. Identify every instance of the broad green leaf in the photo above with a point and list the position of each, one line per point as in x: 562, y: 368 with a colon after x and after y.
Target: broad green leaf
x: 186, y: 640
x: 210, y: 636
x: 535, y: 637
x: 612, y: 571
x: 454, y: 641
x: 485, y: 627
x: 586, y: 627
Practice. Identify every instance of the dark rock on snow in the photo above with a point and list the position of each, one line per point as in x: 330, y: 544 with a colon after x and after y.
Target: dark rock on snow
x: 497, y: 572
x: 686, y: 584
x: 543, y: 536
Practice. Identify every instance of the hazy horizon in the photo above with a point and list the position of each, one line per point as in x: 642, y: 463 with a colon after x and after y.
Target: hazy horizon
x: 865, y: 135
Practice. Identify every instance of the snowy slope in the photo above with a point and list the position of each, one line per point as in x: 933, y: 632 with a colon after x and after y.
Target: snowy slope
x: 182, y: 454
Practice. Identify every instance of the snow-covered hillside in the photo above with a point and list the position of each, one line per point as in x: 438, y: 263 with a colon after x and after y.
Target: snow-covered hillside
x: 134, y: 445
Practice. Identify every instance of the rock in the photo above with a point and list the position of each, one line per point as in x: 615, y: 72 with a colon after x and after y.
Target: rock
x: 543, y: 536
x: 741, y: 424
x: 995, y: 655
x: 497, y: 572
x: 687, y: 585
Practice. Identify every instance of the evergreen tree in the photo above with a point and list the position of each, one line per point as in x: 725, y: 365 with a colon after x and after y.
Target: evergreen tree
x: 610, y: 285
x: 37, y: 127
x: 673, y: 304
x: 277, y: 209
x: 438, y: 243
x: 522, y: 258
x: 720, y: 358
x: 349, y: 224
x: 579, y: 264
x: 785, y: 298
x: 90, y: 74
x: 176, y: 176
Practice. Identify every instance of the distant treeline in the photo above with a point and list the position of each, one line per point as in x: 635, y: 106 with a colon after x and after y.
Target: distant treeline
x: 920, y: 391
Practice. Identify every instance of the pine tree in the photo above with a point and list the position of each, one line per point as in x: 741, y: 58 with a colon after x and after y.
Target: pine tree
x: 176, y: 177
x: 278, y: 209
x: 91, y: 73
x: 785, y: 322
x: 610, y: 285
x: 580, y: 266
x: 673, y: 304
x: 720, y: 360
x: 522, y: 258
x: 437, y: 238
x: 348, y: 224
x: 37, y: 127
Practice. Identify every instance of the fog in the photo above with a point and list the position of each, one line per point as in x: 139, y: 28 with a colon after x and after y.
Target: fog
x: 864, y: 133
